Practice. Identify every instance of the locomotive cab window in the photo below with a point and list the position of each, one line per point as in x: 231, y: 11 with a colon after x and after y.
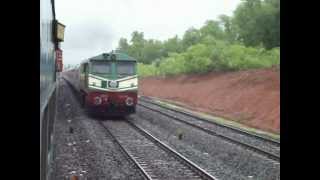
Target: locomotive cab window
x: 101, y: 67
x: 126, y: 68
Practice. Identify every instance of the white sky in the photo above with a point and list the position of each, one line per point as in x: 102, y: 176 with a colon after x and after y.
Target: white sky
x: 95, y: 26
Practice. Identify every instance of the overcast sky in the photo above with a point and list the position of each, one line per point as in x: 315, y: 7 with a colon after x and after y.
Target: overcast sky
x: 95, y: 26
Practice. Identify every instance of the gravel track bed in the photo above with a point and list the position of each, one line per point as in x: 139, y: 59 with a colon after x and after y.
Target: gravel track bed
x: 86, y: 152
x: 160, y: 164
x: 223, y: 159
x: 267, y: 146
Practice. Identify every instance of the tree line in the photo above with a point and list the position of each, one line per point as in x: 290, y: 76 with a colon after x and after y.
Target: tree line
x: 250, y: 38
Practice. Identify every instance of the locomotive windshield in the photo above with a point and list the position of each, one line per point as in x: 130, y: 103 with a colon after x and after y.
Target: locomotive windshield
x: 126, y: 68
x: 101, y: 67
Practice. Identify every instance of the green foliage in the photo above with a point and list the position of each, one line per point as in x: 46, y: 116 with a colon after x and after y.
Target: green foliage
x: 230, y: 30
x: 151, y: 51
x: 196, y: 59
x: 212, y: 28
x: 136, y: 48
x: 239, y: 57
x: 201, y: 58
x: 146, y: 70
x: 258, y: 22
x: 172, y: 45
x: 123, y: 45
x: 248, y: 39
x: 191, y: 36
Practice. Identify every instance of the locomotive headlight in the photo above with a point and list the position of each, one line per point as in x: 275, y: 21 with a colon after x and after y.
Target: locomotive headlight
x: 129, y: 101
x: 94, y: 82
x: 97, y: 100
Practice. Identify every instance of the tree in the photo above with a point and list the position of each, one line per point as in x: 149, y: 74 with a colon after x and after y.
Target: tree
x: 137, y: 38
x: 137, y: 45
x: 212, y: 28
x: 228, y: 28
x: 172, y: 45
x: 255, y: 23
x: 258, y: 22
x: 152, y: 50
x: 123, y: 45
x: 190, y: 37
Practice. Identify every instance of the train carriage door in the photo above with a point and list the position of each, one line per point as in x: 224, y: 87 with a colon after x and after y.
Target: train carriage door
x: 86, y: 72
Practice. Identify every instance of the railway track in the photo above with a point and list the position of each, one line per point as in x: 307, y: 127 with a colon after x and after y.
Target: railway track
x: 264, y: 146
x: 155, y: 159
x: 148, y: 155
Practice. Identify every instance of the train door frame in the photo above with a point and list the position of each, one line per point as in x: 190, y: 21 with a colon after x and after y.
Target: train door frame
x: 86, y: 74
x: 46, y: 138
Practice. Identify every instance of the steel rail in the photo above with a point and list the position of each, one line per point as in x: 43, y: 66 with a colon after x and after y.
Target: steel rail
x: 264, y: 138
x: 243, y: 144
x: 126, y: 153
x: 202, y: 173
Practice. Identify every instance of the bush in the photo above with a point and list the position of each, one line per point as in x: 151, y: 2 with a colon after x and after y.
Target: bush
x: 239, y: 57
x: 217, y: 56
x: 146, y: 70
x: 197, y: 59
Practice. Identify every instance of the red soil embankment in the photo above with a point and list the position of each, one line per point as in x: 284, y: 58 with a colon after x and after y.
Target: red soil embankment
x: 250, y: 97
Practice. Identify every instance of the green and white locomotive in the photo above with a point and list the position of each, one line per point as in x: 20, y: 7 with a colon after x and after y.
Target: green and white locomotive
x: 108, y: 83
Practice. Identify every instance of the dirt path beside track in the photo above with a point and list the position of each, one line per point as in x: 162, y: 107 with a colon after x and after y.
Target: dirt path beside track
x: 250, y: 97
